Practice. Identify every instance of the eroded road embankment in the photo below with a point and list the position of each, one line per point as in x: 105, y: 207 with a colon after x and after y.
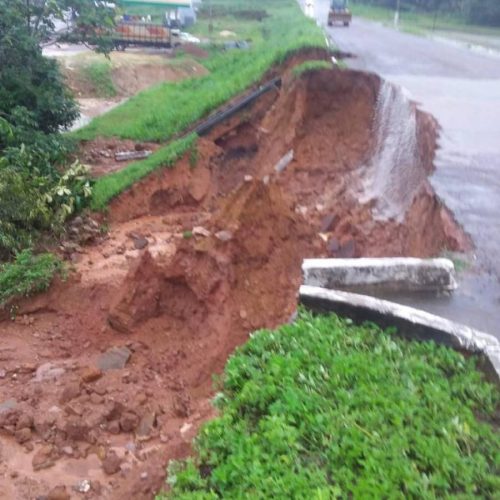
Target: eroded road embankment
x: 197, y: 257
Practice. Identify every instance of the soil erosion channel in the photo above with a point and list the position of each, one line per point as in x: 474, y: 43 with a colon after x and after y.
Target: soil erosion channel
x: 197, y: 257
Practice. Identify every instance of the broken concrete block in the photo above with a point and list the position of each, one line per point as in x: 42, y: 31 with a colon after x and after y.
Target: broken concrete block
x: 380, y: 274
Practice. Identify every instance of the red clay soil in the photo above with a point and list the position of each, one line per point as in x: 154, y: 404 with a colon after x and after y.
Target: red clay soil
x: 195, y: 259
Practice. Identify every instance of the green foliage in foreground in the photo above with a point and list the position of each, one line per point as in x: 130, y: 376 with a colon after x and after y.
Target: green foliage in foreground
x: 310, y: 66
x: 167, y: 109
x: 28, y: 274
x: 322, y: 409
x: 111, y: 185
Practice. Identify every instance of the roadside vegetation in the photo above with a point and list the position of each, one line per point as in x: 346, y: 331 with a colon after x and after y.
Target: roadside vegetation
x: 310, y: 66
x: 324, y: 409
x: 421, y: 17
x: 40, y: 187
x: 98, y: 75
x: 28, y: 274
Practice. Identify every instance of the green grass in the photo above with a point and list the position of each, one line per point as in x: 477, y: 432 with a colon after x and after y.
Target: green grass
x: 109, y: 186
x: 27, y: 275
x: 167, y: 109
x: 98, y: 74
x: 322, y: 409
x: 420, y: 23
x: 310, y: 66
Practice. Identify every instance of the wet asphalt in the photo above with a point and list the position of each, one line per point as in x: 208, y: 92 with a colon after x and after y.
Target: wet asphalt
x: 460, y: 86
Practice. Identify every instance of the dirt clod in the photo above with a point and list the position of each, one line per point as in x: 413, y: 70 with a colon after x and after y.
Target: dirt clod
x: 111, y: 463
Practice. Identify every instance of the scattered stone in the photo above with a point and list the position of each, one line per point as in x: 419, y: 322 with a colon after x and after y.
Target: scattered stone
x: 114, y: 359
x: 83, y: 486
x: 114, y: 427
x: 71, y: 391
x: 333, y: 246
x: 140, y: 243
x: 77, y: 221
x: 48, y: 371
x: 328, y: 223
x: 58, y: 493
x: 248, y: 178
x: 185, y: 428
x: 111, y: 463
x: 284, y: 161
x: 347, y: 250
x: 201, y: 231
x: 76, y: 429
x: 44, y: 458
x: 23, y: 435
x: 91, y: 374
x: 224, y: 235
x: 27, y: 367
x: 120, y: 250
x: 3, y: 373
x: 243, y: 314
x: 68, y: 450
x: 145, y: 427
x: 25, y: 421
x: 129, y: 421
x: 144, y: 475
x: 113, y: 410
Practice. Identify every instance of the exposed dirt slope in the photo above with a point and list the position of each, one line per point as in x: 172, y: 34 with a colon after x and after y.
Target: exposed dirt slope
x: 196, y: 258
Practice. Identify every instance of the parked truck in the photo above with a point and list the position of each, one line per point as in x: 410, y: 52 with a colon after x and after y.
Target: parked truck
x: 339, y: 13
x: 133, y: 33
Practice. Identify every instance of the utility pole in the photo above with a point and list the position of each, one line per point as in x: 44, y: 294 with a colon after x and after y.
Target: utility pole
x: 396, y: 14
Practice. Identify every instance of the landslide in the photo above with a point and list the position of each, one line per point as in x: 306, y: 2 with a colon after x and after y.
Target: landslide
x: 196, y: 258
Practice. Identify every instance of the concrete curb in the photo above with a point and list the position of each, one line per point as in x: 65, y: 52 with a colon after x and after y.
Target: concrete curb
x: 382, y: 274
x: 411, y: 323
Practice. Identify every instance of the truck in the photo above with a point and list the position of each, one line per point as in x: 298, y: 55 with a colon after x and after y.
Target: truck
x: 146, y: 34
x: 339, y: 13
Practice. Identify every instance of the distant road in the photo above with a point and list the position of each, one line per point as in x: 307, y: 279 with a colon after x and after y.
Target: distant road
x: 461, y: 88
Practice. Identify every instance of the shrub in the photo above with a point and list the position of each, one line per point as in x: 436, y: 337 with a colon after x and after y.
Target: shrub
x: 28, y: 274
x: 323, y: 409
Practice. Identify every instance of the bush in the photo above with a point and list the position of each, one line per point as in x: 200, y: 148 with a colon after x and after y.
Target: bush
x: 27, y: 275
x: 323, y: 409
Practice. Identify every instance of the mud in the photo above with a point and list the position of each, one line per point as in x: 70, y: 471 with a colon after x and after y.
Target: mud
x: 196, y: 258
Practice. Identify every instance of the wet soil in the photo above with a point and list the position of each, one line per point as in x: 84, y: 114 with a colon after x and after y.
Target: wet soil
x: 108, y: 376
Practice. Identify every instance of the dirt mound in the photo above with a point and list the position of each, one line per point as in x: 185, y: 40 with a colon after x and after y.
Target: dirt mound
x: 109, y: 375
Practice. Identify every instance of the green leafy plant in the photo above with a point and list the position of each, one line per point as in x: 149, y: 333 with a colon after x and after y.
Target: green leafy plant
x: 99, y: 75
x: 324, y: 409
x: 28, y: 274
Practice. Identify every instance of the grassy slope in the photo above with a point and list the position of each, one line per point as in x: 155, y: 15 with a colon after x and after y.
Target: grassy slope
x: 166, y: 110
x: 322, y: 409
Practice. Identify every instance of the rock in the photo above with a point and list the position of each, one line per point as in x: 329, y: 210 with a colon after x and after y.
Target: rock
x: 68, y: 450
x: 129, y: 421
x: 23, y: 435
x: 328, y: 223
x: 333, y: 246
x: 145, y: 426
x: 3, y: 373
x: 83, y: 486
x: 114, y: 359
x: 58, y: 493
x: 113, y: 410
x: 144, y: 475
x: 25, y: 421
x: 91, y: 374
x: 111, y: 463
x: 76, y: 429
x: 224, y: 235
x: 140, y: 242
x: 43, y: 423
x: 48, y: 371
x: 243, y: 314
x: 44, y: 458
x: 114, y: 427
x: 186, y: 427
x: 71, y: 391
x: 248, y: 178
x: 347, y: 250
x: 201, y: 231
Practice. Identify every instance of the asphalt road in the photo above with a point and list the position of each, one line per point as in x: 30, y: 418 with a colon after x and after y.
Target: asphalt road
x: 461, y: 88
